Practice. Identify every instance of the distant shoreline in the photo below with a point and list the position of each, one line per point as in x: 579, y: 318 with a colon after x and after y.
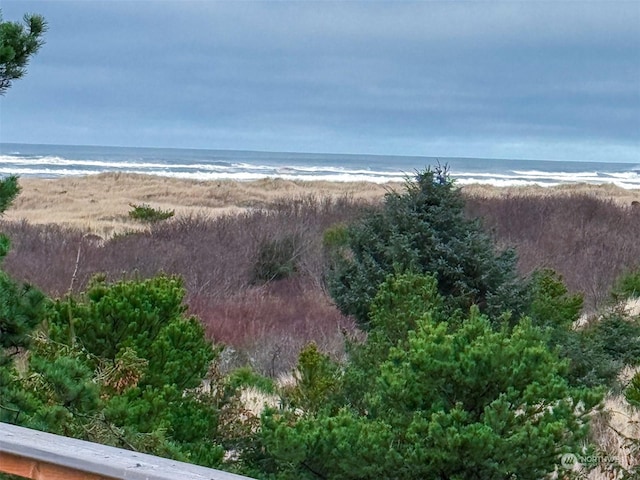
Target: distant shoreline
x: 60, y: 161
x: 100, y: 203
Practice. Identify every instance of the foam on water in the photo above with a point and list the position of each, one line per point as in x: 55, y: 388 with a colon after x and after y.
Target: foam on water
x: 53, y: 161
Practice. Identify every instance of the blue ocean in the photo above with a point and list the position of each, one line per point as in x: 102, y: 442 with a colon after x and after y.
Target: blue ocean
x: 53, y: 161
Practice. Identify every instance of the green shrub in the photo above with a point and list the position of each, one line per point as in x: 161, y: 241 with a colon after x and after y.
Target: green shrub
x: 550, y: 304
x: 145, y: 315
x: 598, y: 352
x: 627, y: 286
x: 335, y: 237
x: 121, y: 366
x: 318, y: 379
x: 247, y: 377
x: 146, y: 213
x: 275, y: 259
x: 432, y: 394
x: 633, y: 391
x: 21, y: 310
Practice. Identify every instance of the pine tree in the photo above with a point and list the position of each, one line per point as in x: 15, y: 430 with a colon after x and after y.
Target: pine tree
x: 424, y: 230
x: 438, y: 399
x: 18, y: 43
x: 121, y: 365
x: 21, y: 306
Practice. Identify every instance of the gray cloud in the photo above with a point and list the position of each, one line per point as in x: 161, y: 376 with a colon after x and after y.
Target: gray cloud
x: 509, y: 79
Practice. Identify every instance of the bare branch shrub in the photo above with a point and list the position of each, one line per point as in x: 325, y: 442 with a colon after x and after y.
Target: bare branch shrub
x: 590, y: 241
x: 217, y: 259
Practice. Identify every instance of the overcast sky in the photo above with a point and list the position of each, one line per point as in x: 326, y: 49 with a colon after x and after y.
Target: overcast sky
x: 511, y: 79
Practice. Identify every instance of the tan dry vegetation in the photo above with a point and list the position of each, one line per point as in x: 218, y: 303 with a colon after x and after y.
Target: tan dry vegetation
x: 616, y: 430
x: 100, y: 203
x: 607, y: 191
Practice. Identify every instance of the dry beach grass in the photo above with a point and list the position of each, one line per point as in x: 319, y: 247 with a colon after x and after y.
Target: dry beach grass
x: 100, y: 204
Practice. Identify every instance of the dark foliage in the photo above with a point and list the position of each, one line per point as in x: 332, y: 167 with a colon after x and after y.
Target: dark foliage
x: 146, y: 213
x: 18, y: 43
x: 432, y: 393
x: 424, y: 230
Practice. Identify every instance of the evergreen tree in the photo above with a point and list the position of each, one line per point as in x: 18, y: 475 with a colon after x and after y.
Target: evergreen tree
x: 21, y: 309
x: 21, y: 306
x: 121, y: 366
x: 424, y: 230
x: 438, y: 399
x: 598, y: 351
x: 18, y: 43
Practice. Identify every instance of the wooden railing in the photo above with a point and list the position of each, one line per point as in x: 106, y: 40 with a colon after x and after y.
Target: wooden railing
x: 44, y: 456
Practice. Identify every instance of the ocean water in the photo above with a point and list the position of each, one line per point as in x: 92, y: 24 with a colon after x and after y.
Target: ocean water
x: 52, y: 161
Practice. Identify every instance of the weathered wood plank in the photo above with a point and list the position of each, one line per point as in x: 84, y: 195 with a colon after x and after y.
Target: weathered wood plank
x: 45, y: 456
x: 28, y: 468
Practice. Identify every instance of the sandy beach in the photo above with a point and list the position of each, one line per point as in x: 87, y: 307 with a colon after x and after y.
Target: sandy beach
x: 100, y: 203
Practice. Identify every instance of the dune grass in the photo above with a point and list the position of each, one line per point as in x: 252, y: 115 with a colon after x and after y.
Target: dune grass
x: 100, y: 203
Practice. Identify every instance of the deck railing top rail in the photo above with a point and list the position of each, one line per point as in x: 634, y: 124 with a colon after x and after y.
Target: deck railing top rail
x: 45, y: 456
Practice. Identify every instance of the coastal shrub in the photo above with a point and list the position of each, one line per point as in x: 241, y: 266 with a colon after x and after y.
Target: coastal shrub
x: 550, y: 304
x: 633, y: 392
x: 438, y: 392
x: 272, y: 323
x: 21, y: 310
x: 632, y: 395
x: 317, y: 381
x: 595, y: 352
x: 590, y: 241
x: 424, y: 230
x: 146, y: 213
x: 244, y: 377
x: 215, y: 257
x: 120, y: 365
x: 9, y: 190
x: 147, y: 316
x: 627, y: 286
x: 335, y: 237
x: 276, y: 259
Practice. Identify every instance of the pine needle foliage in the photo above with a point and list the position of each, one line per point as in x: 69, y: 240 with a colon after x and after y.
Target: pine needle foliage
x: 18, y: 42
x: 21, y: 306
x: 437, y: 399
x: 121, y: 365
x: 424, y: 230
x: 146, y: 213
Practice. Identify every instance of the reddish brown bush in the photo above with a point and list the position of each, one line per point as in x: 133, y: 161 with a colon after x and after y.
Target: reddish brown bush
x: 271, y: 324
x: 589, y: 241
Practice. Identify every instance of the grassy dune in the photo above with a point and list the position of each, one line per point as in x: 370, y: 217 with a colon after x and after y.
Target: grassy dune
x: 608, y: 191
x: 100, y: 203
